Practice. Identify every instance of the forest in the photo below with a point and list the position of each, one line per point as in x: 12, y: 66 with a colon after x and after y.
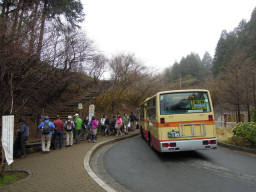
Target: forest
x: 229, y: 75
x: 48, y: 63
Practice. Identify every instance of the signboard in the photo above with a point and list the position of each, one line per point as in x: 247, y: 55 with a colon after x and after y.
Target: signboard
x: 173, y: 134
x: 80, y: 106
x: 91, y: 111
x: 7, y: 137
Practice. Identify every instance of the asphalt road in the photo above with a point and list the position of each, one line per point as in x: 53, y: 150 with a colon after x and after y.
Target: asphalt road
x: 137, y: 168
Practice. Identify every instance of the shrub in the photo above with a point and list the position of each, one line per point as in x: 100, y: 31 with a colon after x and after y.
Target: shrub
x: 246, y: 130
x: 240, y: 141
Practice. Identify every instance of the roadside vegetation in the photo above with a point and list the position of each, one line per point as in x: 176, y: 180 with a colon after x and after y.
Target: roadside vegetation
x: 12, y: 178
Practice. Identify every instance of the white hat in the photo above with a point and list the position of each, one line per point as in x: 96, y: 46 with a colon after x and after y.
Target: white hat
x: 76, y: 114
x: 69, y: 117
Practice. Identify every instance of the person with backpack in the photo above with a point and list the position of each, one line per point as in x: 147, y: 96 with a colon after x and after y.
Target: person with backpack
x: 94, y: 125
x: 46, y: 127
x: 132, y: 121
x: 89, y: 135
x: 21, y: 138
x: 112, y: 126
x: 118, y: 125
x: 84, y: 127
x: 78, y: 128
x: 107, y: 126
x: 59, y: 131
x: 102, y: 124
x: 69, y: 125
x: 125, y: 122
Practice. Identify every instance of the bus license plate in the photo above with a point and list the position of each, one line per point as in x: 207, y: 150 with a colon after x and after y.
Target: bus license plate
x: 173, y: 134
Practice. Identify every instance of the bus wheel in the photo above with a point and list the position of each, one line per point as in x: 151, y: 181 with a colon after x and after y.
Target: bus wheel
x: 150, y: 140
x: 150, y: 143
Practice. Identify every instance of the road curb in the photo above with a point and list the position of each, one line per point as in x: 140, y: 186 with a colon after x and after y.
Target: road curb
x: 235, y: 147
x: 91, y: 152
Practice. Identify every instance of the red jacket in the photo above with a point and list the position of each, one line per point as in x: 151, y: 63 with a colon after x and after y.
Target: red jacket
x: 59, y: 125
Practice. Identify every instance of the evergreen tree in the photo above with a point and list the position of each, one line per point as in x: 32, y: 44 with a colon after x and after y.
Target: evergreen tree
x: 224, y: 51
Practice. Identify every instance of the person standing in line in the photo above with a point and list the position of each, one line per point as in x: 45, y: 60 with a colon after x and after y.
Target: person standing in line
x: 125, y: 122
x: 85, y: 127
x: 78, y: 128
x: 102, y: 125
x: 21, y: 138
x: 118, y: 125
x: 94, y: 125
x: 137, y: 120
x: 133, y: 121
x: 112, y: 126
x: 89, y: 135
x: 69, y: 125
x: 107, y: 126
x: 53, y: 143
x: 46, y: 128
x: 59, y: 128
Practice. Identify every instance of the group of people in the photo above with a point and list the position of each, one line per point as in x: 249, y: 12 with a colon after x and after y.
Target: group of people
x: 118, y: 125
x: 52, y: 133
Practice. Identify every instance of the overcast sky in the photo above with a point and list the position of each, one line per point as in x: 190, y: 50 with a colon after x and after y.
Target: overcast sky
x: 160, y: 32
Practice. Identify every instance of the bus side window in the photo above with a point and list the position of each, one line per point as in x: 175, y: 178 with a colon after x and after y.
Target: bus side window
x: 151, y: 109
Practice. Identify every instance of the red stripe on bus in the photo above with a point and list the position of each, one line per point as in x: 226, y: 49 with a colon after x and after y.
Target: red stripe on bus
x: 176, y: 124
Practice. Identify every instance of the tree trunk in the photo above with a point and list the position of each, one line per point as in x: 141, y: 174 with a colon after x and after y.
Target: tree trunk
x: 4, y: 19
x: 238, y: 113
x: 15, y: 22
x: 33, y: 24
x: 21, y: 18
x: 248, y: 112
x: 41, y: 35
x: 254, y: 98
x: 11, y: 93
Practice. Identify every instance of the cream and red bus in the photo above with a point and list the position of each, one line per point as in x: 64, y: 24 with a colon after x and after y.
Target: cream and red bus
x: 178, y: 120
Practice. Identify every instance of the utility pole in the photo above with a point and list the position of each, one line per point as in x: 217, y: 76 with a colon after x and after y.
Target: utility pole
x: 180, y: 80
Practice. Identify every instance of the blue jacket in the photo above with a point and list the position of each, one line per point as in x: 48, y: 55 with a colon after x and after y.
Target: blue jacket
x: 40, y: 126
x: 24, y: 130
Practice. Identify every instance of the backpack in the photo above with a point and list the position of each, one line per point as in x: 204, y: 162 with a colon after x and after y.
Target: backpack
x: 69, y: 126
x: 102, y: 121
x: 107, y: 121
x: 46, y: 128
x: 89, y: 125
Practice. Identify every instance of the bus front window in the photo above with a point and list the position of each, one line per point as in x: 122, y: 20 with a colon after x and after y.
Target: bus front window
x: 187, y: 102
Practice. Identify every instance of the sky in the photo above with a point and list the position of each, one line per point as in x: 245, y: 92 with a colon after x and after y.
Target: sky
x: 161, y: 32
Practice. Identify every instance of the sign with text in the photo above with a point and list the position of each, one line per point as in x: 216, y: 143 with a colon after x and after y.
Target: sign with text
x: 7, y: 137
x: 91, y: 111
x: 80, y: 106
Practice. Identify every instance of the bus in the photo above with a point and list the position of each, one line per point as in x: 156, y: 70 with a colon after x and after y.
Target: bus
x: 178, y: 120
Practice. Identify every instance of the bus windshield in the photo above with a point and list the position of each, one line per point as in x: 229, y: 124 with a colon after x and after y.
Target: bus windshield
x: 184, y: 102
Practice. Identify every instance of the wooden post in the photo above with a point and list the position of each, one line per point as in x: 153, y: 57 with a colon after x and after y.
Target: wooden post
x: 2, y: 164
